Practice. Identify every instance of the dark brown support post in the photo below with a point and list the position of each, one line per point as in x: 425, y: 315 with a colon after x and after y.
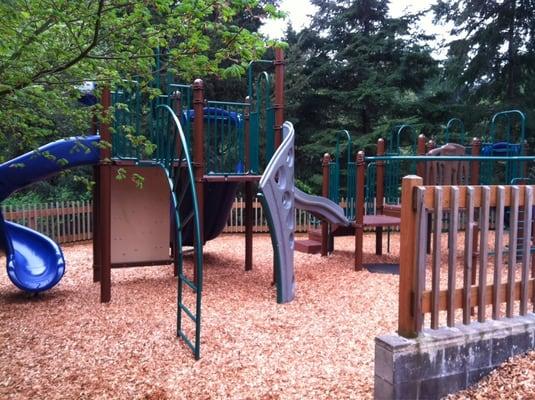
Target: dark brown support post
x: 94, y: 124
x: 198, y: 155
x: 176, y: 96
x: 97, y: 262
x: 474, y: 165
x: 474, y: 180
x: 379, y: 195
x: 420, y: 166
x: 248, y: 193
x: 248, y: 226
x: 104, y: 225
x: 279, y: 95
x: 359, y: 209
x: 325, y: 193
x: 427, y: 146
x: 407, y: 321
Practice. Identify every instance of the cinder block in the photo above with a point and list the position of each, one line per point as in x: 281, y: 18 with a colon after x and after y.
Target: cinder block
x: 447, y: 360
x: 384, y: 363
x: 455, y: 358
x: 407, y: 390
x: 521, y: 342
x: 478, y: 354
x: 418, y: 365
x: 501, y: 350
x: 382, y: 390
x: 437, y: 388
x: 475, y: 375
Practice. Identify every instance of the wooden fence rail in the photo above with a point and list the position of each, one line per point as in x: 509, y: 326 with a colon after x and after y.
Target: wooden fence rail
x: 480, y: 270
x: 71, y: 221
x: 65, y: 222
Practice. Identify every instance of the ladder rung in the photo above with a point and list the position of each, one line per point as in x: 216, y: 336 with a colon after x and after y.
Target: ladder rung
x: 188, y: 312
x: 186, y: 340
x: 188, y: 282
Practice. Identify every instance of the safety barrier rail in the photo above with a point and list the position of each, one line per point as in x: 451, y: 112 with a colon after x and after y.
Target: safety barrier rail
x: 480, y: 276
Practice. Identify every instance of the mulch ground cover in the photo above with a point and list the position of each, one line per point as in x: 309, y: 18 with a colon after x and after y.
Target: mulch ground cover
x: 65, y: 344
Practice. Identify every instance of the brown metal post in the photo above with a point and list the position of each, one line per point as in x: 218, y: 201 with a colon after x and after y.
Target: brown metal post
x: 198, y: 154
x: 474, y: 180
x: 177, y: 106
x: 430, y: 145
x: 325, y: 193
x: 359, y: 209
x: 279, y: 95
x: 379, y: 195
x: 407, y: 321
x: 104, y: 208
x: 248, y: 225
x: 427, y: 146
x: 420, y: 166
x: 474, y: 166
x: 248, y: 189
x: 97, y: 262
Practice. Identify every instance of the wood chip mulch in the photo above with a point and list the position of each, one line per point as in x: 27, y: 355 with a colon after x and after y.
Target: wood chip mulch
x: 65, y: 344
x: 514, y: 379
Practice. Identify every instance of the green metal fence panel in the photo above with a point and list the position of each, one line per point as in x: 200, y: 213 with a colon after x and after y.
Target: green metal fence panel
x: 334, y: 181
x: 224, y: 137
x: 370, y: 188
x: 254, y: 144
x: 351, y: 195
x: 127, y: 119
x: 263, y: 114
x: 506, y: 138
x: 454, y: 132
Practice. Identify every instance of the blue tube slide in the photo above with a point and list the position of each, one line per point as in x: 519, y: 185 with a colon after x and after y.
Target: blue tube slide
x: 35, y: 262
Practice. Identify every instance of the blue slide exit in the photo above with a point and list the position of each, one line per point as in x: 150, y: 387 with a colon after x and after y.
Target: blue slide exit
x: 35, y: 262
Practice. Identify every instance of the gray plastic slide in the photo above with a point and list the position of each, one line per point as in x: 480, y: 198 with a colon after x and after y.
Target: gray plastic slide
x: 277, y: 187
x: 321, y: 207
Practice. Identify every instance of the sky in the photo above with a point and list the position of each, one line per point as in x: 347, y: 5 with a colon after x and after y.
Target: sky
x: 299, y: 12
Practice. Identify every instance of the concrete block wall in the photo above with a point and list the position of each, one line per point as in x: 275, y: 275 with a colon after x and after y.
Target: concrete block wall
x: 447, y: 360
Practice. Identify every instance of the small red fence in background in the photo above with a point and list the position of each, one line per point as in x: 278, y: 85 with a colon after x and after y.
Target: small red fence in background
x: 480, y: 276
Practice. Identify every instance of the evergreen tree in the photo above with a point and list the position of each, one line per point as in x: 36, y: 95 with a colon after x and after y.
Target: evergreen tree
x: 492, y: 55
x: 362, y: 69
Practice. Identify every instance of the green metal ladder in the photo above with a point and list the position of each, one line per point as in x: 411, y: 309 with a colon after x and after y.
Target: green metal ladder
x: 173, y: 156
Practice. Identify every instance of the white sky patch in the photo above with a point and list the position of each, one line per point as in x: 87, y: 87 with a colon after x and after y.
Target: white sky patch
x: 300, y: 14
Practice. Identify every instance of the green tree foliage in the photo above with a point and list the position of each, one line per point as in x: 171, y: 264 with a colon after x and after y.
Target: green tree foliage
x: 492, y: 54
x: 491, y: 57
x: 48, y: 48
x: 356, y: 68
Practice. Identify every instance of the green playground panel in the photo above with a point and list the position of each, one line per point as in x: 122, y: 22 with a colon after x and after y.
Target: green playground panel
x: 337, y: 174
x: 506, y: 137
x: 262, y: 117
x: 224, y: 137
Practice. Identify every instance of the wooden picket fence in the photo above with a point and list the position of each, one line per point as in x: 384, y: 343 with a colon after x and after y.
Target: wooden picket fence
x: 303, y: 220
x: 64, y: 222
x: 491, y: 272
x: 71, y: 221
